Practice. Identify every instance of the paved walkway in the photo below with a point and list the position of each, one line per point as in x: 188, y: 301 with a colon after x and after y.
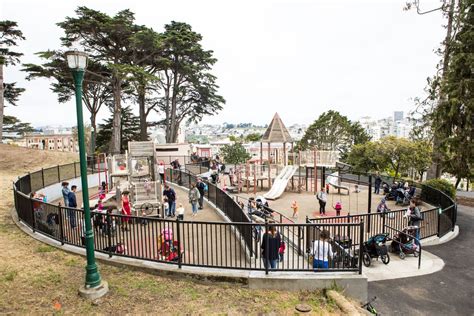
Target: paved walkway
x: 448, y: 292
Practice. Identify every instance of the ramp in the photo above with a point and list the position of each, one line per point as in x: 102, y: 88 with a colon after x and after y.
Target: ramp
x: 281, y: 181
x: 333, y: 180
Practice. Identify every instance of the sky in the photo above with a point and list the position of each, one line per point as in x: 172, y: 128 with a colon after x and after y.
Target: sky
x: 297, y: 58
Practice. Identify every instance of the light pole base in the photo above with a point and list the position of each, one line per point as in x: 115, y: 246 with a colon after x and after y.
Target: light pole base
x: 94, y: 292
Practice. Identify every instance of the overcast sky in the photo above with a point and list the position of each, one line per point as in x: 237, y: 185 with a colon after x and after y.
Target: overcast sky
x: 299, y: 58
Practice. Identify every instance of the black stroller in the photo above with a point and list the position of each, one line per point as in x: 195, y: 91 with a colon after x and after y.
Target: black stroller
x: 404, y: 243
x: 374, y: 248
x: 344, y: 254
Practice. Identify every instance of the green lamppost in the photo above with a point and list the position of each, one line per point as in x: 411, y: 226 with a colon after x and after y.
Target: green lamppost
x: 94, y: 287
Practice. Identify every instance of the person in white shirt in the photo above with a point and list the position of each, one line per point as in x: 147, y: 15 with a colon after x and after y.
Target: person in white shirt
x: 161, y: 171
x: 180, y: 211
x: 322, y: 251
x: 322, y: 198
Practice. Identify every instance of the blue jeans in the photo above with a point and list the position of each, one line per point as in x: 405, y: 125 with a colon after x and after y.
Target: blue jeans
x: 417, y: 235
x: 271, y: 264
x: 320, y: 264
x: 194, y: 207
x: 172, y: 208
x: 377, y: 189
x: 72, y: 218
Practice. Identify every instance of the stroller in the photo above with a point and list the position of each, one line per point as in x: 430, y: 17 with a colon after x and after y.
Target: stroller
x: 168, y: 249
x: 374, y: 248
x: 404, y: 243
x: 342, y: 246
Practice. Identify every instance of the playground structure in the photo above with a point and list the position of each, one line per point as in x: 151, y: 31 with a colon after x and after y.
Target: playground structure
x: 134, y: 172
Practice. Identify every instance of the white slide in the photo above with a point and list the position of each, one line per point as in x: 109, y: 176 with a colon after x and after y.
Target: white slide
x: 333, y: 180
x: 281, y: 181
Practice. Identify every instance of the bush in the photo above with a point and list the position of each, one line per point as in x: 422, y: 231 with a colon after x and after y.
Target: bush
x: 442, y: 185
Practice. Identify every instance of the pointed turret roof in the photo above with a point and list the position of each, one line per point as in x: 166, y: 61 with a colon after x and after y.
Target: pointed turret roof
x: 276, y: 132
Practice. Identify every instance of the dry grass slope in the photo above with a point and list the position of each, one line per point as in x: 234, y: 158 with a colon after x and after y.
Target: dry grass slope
x: 39, y: 279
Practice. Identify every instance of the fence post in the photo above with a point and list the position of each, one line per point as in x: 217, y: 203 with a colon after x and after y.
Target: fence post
x: 383, y: 221
x: 42, y: 177
x: 108, y: 223
x: 369, y: 202
x: 179, y: 242
x: 61, y: 228
x: 439, y: 220
x: 323, y: 177
x: 361, y: 241
x: 33, y: 223
x: 59, y: 176
x: 266, y: 247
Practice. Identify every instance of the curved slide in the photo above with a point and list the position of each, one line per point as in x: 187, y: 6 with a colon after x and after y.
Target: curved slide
x: 280, y: 183
x: 333, y: 180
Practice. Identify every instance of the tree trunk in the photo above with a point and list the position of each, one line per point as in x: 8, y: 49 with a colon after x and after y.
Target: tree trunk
x: 142, y: 110
x: 435, y: 169
x: 116, y: 125
x: 1, y: 102
x: 458, y: 180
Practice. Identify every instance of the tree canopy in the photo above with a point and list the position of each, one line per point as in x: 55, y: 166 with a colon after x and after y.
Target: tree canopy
x: 235, y: 153
x: 333, y: 131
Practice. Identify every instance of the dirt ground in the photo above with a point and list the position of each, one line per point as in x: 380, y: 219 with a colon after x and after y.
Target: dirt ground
x: 39, y: 279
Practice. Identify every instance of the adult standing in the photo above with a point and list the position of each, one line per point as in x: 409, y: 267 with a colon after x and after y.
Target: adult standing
x: 377, y: 183
x: 201, y: 186
x: 194, y: 197
x: 322, y: 250
x: 171, y: 196
x: 65, y: 191
x: 161, y: 171
x: 271, y: 243
x: 322, y: 199
x: 414, y: 218
x: 72, y: 204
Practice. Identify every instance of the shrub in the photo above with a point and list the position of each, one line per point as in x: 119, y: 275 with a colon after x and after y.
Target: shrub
x: 442, y: 185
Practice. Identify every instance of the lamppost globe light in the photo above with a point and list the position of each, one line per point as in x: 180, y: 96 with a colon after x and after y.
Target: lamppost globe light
x: 76, y: 60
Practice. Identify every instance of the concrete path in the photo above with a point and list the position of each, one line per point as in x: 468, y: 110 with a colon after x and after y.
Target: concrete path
x: 448, y: 292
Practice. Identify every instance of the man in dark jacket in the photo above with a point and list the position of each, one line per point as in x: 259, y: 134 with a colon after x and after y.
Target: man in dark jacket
x: 71, y: 212
x: 171, y: 196
x: 201, y: 186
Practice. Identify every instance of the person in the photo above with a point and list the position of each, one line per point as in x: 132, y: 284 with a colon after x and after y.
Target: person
x: 126, y: 210
x: 72, y: 203
x: 231, y: 176
x: 147, y: 187
x: 180, y: 211
x: 161, y: 171
x: 271, y: 243
x: 102, y: 190
x: 294, y: 207
x: 322, y: 198
x: 202, y: 187
x: 338, y: 208
x: 382, y: 207
x: 194, y: 196
x: 327, y: 188
x: 65, y: 192
x: 322, y: 251
x: 166, y: 207
x: 414, y: 218
x: 356, y: 189
x: 281, y: 251
x: 377, y: 183
x: 171, y: 196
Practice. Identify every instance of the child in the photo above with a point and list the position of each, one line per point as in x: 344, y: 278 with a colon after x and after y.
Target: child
x: 294, y: 207
x: 356, y: 190
x: 180, y: 212
x: 338, y: 208
x: 281, y: 251
x: 166, y: 207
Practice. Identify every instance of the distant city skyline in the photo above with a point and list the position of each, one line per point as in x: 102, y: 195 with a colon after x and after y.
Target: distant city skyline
x: 299, y: 59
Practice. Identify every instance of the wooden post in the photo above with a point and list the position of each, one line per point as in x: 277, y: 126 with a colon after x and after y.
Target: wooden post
x: 261, y: 153
x: 254, y: 178
x: 299, y: 170
x: 247, y: 173
x: 285, y: 162
x: 315, y: 172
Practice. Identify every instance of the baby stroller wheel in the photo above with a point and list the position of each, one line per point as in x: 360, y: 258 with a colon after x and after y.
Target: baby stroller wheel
x: 385, y: 259
x: 402, y: 255
x: 366, y: 259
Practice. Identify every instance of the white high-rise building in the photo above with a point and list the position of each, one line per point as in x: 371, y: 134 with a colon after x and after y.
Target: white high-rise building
x: 391, y: 126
